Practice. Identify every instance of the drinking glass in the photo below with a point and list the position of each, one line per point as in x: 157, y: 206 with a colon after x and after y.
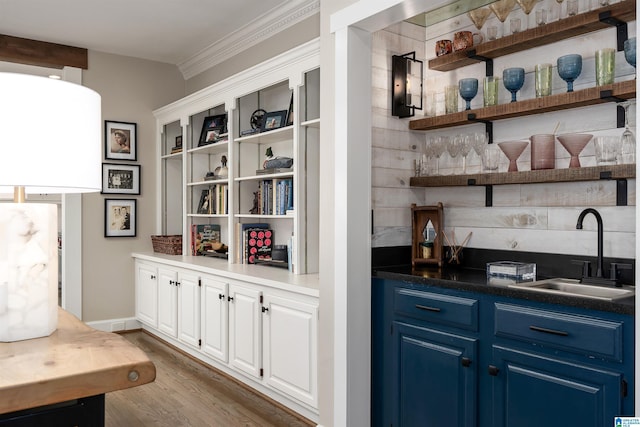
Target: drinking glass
x: 451, y: 99
x: 439, y: 144
x: 490, y: 94
x: 543, y: 80
x: 468, y: 90
x: 630, y: 51
x: 491, y: 157
x: 465, y: 148
x: 454, y: 146
x: 514, y: 25
x: 607, y: 149
x: 605, y: 66
x: 572, y: 7
x: 628, y: 139
x: 513, y: 150
x: 541, y: 17
x: 559, y: 8
x: 492, y: 32
x: 513, y: 79
x: 569, y: 68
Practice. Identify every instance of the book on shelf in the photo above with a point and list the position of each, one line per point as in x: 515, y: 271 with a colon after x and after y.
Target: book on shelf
x: 239, y: 251
x: 275, y: 196
x: 214, y: 200
x: 203, y: 236
x: 175, y: 150
x: 258, y: 244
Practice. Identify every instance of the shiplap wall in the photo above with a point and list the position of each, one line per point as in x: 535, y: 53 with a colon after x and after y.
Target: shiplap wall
x: 533, y: 217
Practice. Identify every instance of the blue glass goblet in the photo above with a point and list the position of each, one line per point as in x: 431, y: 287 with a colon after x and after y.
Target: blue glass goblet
x: 513, y: 79
x: 630, y: 51
x: 468, y: 89
x: 569, y: 68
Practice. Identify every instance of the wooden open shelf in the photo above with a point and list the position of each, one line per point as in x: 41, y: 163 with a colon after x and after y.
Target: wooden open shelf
x: 592, y: 173
x: 582, y: 23
x: 561, y: 101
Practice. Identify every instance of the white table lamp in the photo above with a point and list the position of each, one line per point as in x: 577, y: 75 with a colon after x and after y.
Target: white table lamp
x: 51, y: 143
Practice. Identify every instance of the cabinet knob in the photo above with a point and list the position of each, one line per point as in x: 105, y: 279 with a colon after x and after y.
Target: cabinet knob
x: 171, y: 282
x: 265, y: 309
x: 153, y: 277
x: 493, y: 370
x: 220, y: 296
x: 229, y: 298
x: 466, y: 362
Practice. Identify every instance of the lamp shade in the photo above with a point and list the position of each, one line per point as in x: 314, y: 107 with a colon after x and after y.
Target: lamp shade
x: 51, y: 135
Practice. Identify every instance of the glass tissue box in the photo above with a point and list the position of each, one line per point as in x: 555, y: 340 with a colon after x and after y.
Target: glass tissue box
x: 517, y: 271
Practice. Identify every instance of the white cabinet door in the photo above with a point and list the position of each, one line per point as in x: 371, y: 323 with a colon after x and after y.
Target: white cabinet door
x: 189, y: 309
x: 290, y: 347
x: 214, y: 318
x: 147, y: 294
x: 168, y: 301
x: 245, y: 329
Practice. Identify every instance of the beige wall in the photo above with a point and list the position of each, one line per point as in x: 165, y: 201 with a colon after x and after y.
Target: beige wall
x: 131, y: 89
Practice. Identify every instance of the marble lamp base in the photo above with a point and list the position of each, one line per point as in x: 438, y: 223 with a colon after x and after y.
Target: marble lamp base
x: 28, y: 271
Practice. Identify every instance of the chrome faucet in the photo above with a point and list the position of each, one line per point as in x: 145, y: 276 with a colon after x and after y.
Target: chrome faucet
x: 600, y: 268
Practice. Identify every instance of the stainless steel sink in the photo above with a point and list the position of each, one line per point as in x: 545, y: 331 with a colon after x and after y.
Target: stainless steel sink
x: 572, y: 287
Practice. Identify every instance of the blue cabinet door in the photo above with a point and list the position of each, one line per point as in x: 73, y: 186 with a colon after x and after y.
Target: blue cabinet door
x: 531, y: 390
x: 434, y: 378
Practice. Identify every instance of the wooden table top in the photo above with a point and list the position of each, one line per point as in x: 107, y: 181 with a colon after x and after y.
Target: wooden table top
x: 74, y: 361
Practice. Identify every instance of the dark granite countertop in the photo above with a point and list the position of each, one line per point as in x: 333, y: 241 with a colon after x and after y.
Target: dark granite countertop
x: 475, y: 280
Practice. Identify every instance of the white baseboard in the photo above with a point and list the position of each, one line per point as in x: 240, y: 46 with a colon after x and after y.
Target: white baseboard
x: 116, y: 325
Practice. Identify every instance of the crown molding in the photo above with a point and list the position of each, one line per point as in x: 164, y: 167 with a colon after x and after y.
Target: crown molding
x: 256, y: 31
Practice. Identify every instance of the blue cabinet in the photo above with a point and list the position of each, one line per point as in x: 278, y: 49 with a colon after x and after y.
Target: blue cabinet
x: 459, y: 358
x: 435, y: 378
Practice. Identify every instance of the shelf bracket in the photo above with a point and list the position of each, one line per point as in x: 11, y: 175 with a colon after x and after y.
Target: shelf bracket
x: 621, y: 27
x: 621, y: 188
x: 488, y: 196
x: 488, y: 125
x: 620, y: 116
x: 488, y: 62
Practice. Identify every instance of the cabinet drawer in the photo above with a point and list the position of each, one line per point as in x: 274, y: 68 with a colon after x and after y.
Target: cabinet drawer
x: 578, y: 334
x: 437, y: 308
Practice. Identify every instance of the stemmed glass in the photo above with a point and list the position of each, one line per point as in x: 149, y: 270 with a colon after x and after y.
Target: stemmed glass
x: 513, y: 150
x: 501, y: 9
x: 628, y: 139
x: 513, y: 79
x: 479, y: 17
x: 630, y: 51
x: 527, y: 6
x: 438, y: 144
x: 569, y: 68
x: 468, y: 89
x: 465, y: 149
x: 454, y: 147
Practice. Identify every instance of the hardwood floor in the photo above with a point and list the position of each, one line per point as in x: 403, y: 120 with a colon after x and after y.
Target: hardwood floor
x: 187, y: 393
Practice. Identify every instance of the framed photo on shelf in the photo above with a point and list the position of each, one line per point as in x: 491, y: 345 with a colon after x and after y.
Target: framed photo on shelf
x: 212, y: 128
x: 290, y: 112
x: 120, y: 218
x: 120, y: 140
x: 178, y: 141
x: 204, y: 205
x: 120, y: 179
x: 274, y: 120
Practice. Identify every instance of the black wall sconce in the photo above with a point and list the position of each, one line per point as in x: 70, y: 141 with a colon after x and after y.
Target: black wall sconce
x: 406, y: 75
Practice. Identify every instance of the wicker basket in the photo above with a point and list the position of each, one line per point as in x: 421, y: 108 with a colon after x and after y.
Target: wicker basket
x: 170, y: 245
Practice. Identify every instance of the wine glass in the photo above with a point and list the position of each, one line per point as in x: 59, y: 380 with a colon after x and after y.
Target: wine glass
x: 513, y: 150
x: 513, y: 79
x: 439, y: 144
x: 501, y: 9
x: 479, y: 17
x: 527, y: 6
x: 630, y: 51
x: 465, y: 148
x: 569, y: 68
x: 468, y: 89
x: 628, y: 139
x: 574, y: 143
x: 454, y: 146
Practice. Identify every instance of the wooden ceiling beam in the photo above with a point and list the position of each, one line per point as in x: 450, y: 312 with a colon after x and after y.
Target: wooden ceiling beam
x: 42, y: 54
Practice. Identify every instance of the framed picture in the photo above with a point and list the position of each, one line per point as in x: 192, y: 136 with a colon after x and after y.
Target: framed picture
x: 120, y: 218
x: 212, y: 128
x: 178, y: 142
x: 274, y: 120
x: 290, y: 112
x: 204, y: 205
x: 120, y: 140
x: 120, y: 179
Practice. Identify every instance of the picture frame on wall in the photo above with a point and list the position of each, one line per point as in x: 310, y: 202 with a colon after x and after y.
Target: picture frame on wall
x: 213, y: 127
x: 120, y: 140
x: 274, y: 120
x: 120, y: 217
x: 120, y: 179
